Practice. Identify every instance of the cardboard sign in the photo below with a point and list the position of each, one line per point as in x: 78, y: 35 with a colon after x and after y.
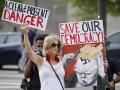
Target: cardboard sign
x: 19, y: 13
x: 85, y: 41
x: 82, y: 32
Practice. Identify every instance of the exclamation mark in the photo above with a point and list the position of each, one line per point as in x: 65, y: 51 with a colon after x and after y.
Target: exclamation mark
x: 102, y: 36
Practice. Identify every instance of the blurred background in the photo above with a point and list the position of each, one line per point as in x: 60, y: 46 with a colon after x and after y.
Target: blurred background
x: 11, y: 45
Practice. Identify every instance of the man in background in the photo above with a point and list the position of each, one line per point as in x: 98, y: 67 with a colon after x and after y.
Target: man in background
x: 114, y: 69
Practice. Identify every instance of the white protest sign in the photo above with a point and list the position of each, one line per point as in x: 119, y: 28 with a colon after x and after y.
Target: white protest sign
x: 84, y: 41
x: 82, y: 32
x: 19, y: 13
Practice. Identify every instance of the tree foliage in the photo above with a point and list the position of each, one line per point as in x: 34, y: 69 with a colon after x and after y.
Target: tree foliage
x: 1, y: 10
x: 88, y: 9
x: 2, y: 5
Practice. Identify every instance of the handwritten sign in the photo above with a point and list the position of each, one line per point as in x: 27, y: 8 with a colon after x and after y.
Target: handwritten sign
x: 20, y: 13
x: 82, y: 32
x: 83, y: 52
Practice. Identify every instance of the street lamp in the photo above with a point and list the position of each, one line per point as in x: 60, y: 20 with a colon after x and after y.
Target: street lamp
x: 102, y: 15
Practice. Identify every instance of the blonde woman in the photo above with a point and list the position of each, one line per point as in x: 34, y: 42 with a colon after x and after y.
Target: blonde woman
x: 51, y: 47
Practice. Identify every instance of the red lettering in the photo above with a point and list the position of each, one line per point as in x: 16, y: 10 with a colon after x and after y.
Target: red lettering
x: 27, y: 19
x: 102, y: 36
x: 98, y: 36
x: 6, y: 14
x: 97, y: 40
x: 91, y: 38
x: 62, y: 29
x: 33, y: 20
x: 86, y: 37
x: 40, y: 22
x: 81, y: 37
x: 71, y: 27
x: 67, y: 39
x: 73, y: 38
x: 19, y: 18
x: 63, y: 38
x: 66, y: 29
x: 12, y: 16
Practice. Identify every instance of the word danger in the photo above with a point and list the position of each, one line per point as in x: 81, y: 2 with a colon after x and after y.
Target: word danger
x: 22, y: 18
x: 81, y: 32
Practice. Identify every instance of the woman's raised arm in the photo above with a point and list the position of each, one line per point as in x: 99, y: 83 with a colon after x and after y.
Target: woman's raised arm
x: 34, y: 57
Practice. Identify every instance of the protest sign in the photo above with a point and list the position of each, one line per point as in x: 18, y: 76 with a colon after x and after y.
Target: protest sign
x: 84, y: 40
x: 19, y: 13
x: 81, y: 32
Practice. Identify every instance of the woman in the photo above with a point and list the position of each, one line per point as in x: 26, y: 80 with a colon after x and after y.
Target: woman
x: 51, y: 47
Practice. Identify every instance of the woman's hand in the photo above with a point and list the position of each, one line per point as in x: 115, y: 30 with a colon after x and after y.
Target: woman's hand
x: 24, y: 28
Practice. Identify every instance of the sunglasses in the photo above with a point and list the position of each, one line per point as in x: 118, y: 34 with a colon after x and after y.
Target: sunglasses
x: 54, y: 45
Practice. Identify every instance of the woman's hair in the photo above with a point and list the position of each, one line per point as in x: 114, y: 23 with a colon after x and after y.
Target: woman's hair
x: 48, y: 42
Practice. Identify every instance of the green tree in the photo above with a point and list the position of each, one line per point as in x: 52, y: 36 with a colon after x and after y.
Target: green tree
x: 2, y: 5
x: 87, y: 9
x: 1, y: 9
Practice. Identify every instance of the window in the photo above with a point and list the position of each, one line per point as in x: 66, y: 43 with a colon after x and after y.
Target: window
x: 2, y: 39
x: 14, y: 39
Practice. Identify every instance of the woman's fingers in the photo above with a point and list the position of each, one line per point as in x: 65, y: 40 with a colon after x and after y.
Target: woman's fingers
x: 23, y: 26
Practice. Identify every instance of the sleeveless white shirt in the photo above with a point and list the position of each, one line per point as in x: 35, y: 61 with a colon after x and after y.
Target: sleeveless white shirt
x: 48, y: 78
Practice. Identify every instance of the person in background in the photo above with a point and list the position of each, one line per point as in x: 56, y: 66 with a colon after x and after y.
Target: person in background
x: 15, y: 29
x: 51, y: 48
x: 31, y: 70
x: 114, y: 68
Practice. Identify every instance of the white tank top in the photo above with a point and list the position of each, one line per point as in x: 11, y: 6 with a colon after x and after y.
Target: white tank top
x: 48, y: 78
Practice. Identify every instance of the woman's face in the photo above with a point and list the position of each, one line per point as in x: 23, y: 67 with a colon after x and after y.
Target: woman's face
x: 54, y: 47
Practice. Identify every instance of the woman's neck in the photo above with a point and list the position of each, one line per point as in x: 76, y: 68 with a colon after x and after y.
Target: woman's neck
x: 52, y: 57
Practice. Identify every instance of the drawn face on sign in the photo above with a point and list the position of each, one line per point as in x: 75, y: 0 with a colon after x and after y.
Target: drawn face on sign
x: 86, y: 72
x: 86, y: 66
